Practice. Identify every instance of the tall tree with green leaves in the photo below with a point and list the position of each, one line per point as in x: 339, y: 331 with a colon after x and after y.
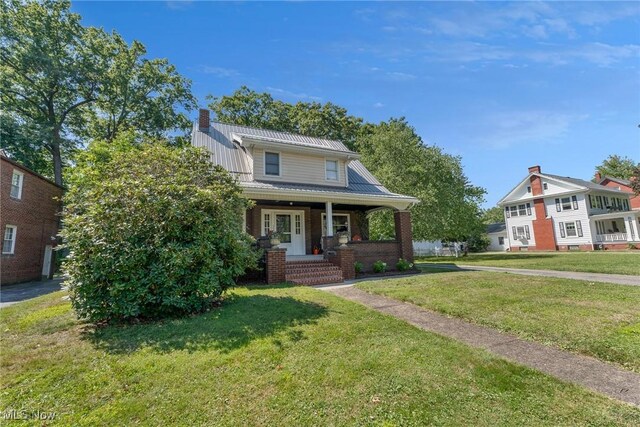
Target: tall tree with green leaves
x: 617, y: 167
x: 249, y: 108
x: 24, y: 145
x: 64, y: 81
x: 449, y: 203
x: 493, y: 215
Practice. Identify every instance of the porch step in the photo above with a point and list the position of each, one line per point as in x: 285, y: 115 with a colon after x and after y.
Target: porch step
x: 312, y: 272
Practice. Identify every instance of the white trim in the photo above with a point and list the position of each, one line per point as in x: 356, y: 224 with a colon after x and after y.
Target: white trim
x: 264, y: 164
x: 257, y: 193
x: 323, y: 220
x: 20, y: 185
x: 281, y: 144
x: 272, y: 224
x: 326, y: 170
x: 328, y: 209
x: 13, y: 239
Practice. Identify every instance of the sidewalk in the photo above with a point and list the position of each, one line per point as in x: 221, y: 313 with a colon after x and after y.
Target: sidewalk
x: 12, y: 294
x: 588, y: 372
x: 620, y: 279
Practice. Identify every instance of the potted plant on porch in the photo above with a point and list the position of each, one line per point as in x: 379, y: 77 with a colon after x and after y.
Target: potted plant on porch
x: 274, y: 238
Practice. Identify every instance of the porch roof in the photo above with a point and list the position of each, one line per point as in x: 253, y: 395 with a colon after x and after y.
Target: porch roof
x: 617, y: 214
x: 368, y: 196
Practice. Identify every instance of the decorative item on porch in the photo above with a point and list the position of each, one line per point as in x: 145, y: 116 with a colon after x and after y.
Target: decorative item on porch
x: 343, y: 238
x: 316, y: 250
x: 274, y: 238
x: 356, y: 238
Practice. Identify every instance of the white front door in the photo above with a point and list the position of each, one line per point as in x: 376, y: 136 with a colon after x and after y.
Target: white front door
x: 290, y: 225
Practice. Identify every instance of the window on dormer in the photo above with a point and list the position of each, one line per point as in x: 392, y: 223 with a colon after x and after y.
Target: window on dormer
x: 272, y: 164
x: 332, y: 170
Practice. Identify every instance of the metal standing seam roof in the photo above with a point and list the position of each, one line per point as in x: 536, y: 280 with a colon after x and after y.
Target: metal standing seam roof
x: 234, y: 158
x: 496, y: 227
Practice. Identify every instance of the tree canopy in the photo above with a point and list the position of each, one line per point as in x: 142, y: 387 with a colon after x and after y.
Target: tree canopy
x: 250, y: 108
x: 617, y: 167
x: 493, y: 215
x: 63, y: 80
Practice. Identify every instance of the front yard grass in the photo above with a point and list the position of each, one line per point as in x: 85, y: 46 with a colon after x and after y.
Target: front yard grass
x: 597, y: 319
x: 273, y: 356
x: 590, y: 262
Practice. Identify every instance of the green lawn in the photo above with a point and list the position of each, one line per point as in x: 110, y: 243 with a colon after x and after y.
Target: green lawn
x: 598, y: 319
x: 274, y: 356
x: 591, y: 262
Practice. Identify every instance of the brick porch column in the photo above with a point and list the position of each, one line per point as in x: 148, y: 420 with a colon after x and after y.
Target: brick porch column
x: 404, y: 235
x: 276, y: 259
x: 345, y: 259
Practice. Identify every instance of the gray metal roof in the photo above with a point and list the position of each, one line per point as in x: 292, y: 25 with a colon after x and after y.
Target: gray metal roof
x: 618, y: 180
x: 496, y: 227
x: 234, y: 158
x: 583, y: 183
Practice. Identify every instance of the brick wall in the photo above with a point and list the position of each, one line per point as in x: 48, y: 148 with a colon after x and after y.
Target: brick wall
x: 345, y: 259
x: 404, y: 234
x: 276, y: 265
x: 543, y: 228
x: 368, y: 252
x: 35, y: 215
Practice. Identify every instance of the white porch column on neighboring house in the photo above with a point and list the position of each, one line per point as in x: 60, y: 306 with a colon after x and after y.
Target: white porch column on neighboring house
x: 631, y: 225
x: 329, y: 220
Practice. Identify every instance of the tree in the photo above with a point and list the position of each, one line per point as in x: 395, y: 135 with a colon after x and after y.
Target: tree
x: 617, y: 167
x: 635, y: 181
x: 152, y: 231
x: 449, y: 204
x: 24, y: 145
x: 493, y: 215
x: 249, y: 108
x: 63, y: 80
x: 139, y: 94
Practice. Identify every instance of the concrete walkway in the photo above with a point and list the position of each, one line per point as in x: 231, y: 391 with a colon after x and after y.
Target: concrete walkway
x: 585, y: 371
x: 620, y: 279
x: 12, y: 294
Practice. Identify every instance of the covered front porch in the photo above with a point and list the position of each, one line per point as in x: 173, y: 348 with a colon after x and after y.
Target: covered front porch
x: 616, y: 228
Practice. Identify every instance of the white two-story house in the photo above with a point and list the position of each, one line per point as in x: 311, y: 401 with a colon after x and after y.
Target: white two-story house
x: 552, y: 212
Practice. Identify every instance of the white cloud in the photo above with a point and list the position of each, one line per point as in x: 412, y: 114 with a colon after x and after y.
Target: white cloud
x: 289, y: 94
x: 218, y: 71
x: 505, y: 129
x: 378, y: 105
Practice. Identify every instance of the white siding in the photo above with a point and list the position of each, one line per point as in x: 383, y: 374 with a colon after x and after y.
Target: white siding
x: 298, y: 168
x: 580, y: 214
x: 521, y: 221
x: 495, y: 244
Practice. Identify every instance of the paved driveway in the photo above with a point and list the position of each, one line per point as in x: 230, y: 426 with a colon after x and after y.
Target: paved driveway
x: 12, y: 294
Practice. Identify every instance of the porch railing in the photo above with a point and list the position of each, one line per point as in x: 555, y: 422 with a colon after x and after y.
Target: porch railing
x: 613, y: 237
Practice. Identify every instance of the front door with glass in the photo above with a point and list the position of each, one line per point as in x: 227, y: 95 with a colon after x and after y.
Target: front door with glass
x: 290, y: 227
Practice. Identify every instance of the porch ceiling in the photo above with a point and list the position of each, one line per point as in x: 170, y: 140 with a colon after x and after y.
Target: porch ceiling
x: 614, y: 215
x: 314, y: 205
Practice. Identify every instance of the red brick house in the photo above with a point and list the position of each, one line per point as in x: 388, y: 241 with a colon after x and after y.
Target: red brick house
x: 620, y: 184
x: 310, y: 191
x: 29, y: 207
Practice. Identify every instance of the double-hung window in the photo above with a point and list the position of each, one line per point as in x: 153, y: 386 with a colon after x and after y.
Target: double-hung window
x: 522, y: 210
x: 566, y: 203
x: 9, y: 240
x: 272, y: 164
x: 341, y: 224
x: 331, y: 169
x: 16, y: 184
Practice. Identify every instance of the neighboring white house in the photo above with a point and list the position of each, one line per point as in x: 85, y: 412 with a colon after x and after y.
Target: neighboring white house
x: 497, y: 234
x: 552, y: 212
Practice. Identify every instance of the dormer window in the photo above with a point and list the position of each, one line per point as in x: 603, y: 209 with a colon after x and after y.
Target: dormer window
x: 331, y: 168
x: 16, y: 184
x: 272, y: 164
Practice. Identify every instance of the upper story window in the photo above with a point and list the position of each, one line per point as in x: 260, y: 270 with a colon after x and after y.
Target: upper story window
x: 272, y: 164
x: 545, y: 186
x: 331, y: 168
x: 518, y: 210
x: 16, y: 184
x: 528, y: 189
x: 567, y: 203
x: 9, y: 240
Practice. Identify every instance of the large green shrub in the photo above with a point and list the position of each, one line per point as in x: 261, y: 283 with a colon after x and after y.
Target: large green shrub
x: 152, y: 231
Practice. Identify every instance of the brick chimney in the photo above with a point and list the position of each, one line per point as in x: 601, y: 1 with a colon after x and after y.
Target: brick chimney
x: 534, y: 169
x: 204, y: 120
x: 598, y: 177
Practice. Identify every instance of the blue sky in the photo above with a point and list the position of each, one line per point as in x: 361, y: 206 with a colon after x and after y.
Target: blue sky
x: 503, y: 85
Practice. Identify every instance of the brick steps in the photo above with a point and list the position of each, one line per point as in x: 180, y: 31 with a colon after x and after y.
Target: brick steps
x: 312, y: 272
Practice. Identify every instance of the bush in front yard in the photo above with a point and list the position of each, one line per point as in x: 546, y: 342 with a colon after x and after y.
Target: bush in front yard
x: 379, y: 267
x: 152, y: 231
